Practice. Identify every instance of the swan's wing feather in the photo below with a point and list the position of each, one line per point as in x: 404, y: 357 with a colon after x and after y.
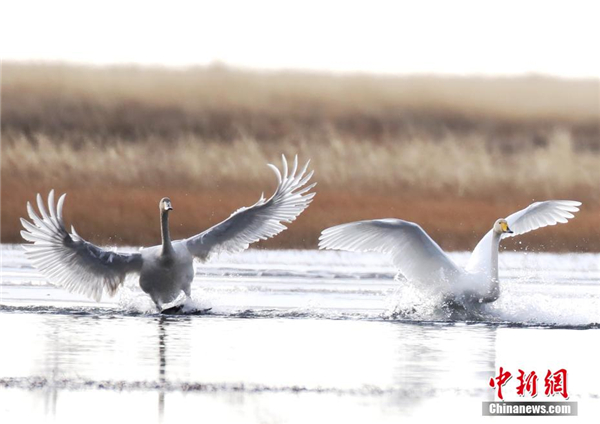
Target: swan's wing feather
x: 412, y: 251
x: 534, y: 216
x: 69, y: 260
x: 260, y: 221
x: 541, y: 214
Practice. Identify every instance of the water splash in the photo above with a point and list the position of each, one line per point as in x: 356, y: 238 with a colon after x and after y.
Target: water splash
x: 537, y: 290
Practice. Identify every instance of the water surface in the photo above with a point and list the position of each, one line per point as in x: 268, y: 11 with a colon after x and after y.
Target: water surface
x: 293, y: 336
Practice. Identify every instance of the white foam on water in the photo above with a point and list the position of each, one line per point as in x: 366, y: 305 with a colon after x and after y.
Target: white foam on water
x: 537, y: 288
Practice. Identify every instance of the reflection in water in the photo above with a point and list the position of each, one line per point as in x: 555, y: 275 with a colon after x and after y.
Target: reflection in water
x: 51, y: 395
x: 264, y: 368
x: 434, y: 361
x: 162, y: 365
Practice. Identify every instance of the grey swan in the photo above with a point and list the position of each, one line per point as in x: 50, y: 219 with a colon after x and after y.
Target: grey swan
x: 165, y: 270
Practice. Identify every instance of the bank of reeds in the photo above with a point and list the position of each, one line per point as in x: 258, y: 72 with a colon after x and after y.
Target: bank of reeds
x: 445, y: 185
x: 452, y: 154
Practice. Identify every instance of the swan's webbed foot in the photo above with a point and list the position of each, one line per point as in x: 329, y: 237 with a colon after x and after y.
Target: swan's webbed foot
x: 173, y: 310
x: 179, y: 310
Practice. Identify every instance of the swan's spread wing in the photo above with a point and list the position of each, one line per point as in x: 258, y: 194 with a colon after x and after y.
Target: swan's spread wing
x: 534, y: 216
x: 258, y: 222
x: 412, y: 251
x: 69, y: 260
x: 541, y: 214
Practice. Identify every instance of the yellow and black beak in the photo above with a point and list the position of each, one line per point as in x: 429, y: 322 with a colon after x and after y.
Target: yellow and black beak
x: 505, y: 228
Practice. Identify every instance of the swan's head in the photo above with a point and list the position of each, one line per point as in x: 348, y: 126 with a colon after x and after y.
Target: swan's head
x: 165, y: 204
x: 501, y: 227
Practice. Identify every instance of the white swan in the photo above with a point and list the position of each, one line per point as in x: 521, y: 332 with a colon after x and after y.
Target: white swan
x: 166, y: 270
x: 421, y: 260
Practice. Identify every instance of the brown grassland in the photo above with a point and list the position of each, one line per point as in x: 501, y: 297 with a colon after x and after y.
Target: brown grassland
x: 452, y: 154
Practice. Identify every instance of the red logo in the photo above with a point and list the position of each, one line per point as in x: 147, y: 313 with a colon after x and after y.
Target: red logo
x: 527, y: 383
x: 500, y: 381
x: 554, y: 383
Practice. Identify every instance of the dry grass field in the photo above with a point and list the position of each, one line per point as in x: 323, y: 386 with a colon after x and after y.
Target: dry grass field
x: 452, y: 154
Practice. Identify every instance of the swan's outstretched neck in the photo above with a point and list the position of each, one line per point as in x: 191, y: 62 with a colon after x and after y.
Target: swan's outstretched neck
x: 167, y: 247
x: 494, y: 292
